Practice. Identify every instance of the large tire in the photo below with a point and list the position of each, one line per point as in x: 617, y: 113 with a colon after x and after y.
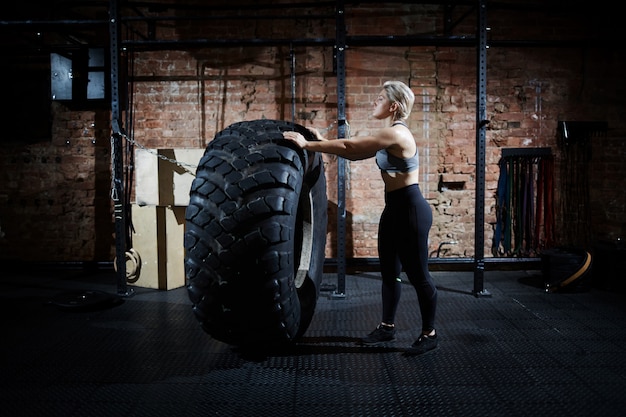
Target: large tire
x: 256, y: 234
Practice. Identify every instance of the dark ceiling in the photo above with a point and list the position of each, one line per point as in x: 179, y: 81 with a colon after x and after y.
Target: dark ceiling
x: 31, y: 27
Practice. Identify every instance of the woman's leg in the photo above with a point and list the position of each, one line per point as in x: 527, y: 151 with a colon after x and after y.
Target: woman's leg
x: 414, y: 258
x: 389, y: 264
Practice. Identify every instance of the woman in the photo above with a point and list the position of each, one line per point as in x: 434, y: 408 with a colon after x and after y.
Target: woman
x: 407, y: 217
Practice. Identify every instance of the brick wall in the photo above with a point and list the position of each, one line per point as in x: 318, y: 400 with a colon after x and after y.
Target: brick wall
x: 55, y: 195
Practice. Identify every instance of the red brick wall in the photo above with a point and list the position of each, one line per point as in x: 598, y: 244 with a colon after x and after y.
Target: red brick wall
x: 55, y: 196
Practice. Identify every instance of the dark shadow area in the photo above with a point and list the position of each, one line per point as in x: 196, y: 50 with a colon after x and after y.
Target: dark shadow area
x: 327, y: 345
x: 517, y: 353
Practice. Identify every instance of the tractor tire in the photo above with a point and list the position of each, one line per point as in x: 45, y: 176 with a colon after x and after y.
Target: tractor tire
x: 255, y: 235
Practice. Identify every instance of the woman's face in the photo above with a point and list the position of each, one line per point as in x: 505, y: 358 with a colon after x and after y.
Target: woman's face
x: 382, y: 106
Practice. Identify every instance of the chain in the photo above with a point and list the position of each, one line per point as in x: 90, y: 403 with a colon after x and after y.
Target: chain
x: 114, y: 195
x: 118, y: 206
x: 187, y: 167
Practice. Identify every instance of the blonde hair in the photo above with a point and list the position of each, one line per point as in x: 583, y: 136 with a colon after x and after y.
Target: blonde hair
x: 399, y: 92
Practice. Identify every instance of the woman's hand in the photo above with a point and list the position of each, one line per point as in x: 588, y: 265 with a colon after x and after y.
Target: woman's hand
x: 296, y: 138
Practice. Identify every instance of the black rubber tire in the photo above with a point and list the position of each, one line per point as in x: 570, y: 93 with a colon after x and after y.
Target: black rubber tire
x: 256, y: 234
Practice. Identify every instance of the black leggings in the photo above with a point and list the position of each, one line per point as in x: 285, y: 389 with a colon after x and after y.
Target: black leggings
x: 403, y: 243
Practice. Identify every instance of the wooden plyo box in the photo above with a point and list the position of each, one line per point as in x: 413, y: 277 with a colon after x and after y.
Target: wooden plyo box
x: 158, y: 239
x: 160, y: 182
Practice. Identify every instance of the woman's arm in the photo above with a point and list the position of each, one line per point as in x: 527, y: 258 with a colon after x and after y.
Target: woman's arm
x: 362, y: 147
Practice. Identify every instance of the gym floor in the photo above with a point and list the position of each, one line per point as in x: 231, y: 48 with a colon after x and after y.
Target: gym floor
x: 518, y: 351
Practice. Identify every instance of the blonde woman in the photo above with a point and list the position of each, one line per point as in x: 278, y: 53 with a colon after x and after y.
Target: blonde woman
x: 407, y: 217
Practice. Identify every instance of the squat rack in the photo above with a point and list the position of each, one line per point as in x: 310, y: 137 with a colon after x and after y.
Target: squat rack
x: 340, y: 43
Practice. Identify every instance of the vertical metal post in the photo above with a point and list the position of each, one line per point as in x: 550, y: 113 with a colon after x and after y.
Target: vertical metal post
x: 292, y: 67
x: 341, y: 162
x: 481, y: 126
x: 117, y: 164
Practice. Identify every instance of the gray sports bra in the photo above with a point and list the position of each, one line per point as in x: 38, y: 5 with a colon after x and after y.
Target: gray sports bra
x: 389, y: 163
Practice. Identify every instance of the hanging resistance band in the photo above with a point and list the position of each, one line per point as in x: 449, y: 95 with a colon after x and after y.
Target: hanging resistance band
x: 524, y: 210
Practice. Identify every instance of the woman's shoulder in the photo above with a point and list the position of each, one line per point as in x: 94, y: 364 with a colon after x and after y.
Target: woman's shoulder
x: 397, y: 134
x: 389, y: 132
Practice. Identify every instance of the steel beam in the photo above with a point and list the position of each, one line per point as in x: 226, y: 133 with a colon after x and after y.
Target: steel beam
x: 481, y: 127
x: 117, y: 155
x: 340, y: 62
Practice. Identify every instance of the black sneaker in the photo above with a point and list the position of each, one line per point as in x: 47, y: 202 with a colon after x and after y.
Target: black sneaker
x: 381, y: 334
x: 423, y: 344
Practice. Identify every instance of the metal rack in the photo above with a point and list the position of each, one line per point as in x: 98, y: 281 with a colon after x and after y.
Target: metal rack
x: 339, y: 43
x: 525, y: 207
